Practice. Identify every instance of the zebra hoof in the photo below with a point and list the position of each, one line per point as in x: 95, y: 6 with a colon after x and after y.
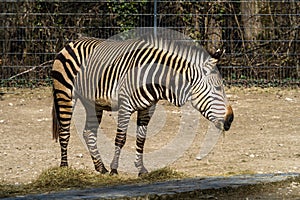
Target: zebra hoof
x: 113, y: 172
x: 103, y: 170
x: 143, y: 172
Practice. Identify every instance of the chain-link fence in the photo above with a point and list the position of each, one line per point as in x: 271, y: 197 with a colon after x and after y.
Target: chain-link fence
x: 261, y: 38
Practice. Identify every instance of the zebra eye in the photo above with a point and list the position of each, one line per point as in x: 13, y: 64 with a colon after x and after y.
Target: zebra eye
x: 218, y: 88
x: 206, y: 72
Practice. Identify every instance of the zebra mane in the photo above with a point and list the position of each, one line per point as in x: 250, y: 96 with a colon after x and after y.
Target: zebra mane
x: 179, y: 45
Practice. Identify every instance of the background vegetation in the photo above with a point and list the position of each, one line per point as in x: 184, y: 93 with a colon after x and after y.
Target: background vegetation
x: 261, y: 38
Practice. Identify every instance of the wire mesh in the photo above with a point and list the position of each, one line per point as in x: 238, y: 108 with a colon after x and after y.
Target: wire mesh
x: 261, y: 38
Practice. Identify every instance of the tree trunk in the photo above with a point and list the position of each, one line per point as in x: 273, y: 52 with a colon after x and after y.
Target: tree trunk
x: 251, y: 20
x: 295, y: 21
x: 213, y: 29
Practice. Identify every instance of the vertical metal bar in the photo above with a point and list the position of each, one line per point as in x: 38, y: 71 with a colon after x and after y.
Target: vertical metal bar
x: 155, y: 17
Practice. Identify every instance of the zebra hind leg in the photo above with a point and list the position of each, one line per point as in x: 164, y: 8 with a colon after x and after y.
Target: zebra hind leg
x: 64, y: 136
x: 143, y: 119
x: 61, y: 129
x: 90, y: 137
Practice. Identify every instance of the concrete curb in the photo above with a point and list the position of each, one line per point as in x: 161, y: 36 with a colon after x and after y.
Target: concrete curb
x: 163, y: 190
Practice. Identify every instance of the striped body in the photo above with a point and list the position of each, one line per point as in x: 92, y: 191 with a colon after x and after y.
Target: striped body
x: 132, y: 75
x: 136, y: 70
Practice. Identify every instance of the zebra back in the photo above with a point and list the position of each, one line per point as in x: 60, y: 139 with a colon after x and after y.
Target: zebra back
x: 70, y: 59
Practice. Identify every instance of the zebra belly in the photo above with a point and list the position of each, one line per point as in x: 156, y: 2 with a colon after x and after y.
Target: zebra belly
x: 106, y: 104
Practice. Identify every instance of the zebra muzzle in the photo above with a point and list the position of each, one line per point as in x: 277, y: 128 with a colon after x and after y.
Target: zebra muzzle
x: 214, y: 131
x: 229, y: 116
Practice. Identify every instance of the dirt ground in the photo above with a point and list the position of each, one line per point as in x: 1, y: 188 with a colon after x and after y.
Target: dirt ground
x: 264, y: 137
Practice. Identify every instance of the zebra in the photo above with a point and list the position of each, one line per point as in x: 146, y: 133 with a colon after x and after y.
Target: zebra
x: 133, y: 75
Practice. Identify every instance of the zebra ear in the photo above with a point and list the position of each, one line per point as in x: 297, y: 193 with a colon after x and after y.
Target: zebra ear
x: 218, y: 54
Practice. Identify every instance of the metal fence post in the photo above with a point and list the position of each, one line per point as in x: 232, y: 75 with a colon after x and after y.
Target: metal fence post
x: 155, y: 17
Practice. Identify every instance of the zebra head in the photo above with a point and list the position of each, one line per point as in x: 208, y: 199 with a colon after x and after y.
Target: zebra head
x: 208, y: 94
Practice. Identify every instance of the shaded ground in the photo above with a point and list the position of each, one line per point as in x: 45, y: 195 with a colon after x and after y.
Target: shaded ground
x: 264, y: 137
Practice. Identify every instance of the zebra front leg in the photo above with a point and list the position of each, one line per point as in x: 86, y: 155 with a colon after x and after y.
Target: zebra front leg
x: 119, y: 143
x: 140, y: 141
x: 143, y: 119
x: 123, y: 120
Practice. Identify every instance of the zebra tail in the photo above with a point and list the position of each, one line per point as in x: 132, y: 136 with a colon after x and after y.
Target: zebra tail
x: 55, y: 123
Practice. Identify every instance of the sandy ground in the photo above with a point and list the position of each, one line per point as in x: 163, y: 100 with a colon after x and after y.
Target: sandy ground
x: 264, y: 138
